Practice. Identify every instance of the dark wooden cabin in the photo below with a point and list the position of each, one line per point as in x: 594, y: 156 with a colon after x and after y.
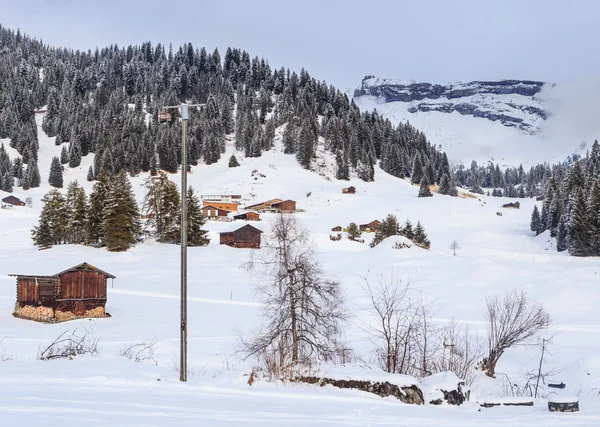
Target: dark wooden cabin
x: 274, y: 206
x: 539, y: 198
x: 246, y: 236
x: 77, y: 292
x: 285, y: 206
x: 337, y: 228
x: 372, y: 226
x: 515, y: 205
x: 212, y: 212
x: 248, y: 216
x: 349, y: 190
x: 12, y: 200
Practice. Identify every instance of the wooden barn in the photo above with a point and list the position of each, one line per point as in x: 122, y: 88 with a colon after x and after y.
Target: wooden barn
x: 77, y: 292
x: 248, y: 216
x: 372, y: 226
x: 246, y: 236
x: 337, y: 228
x: 213, y: 212
x: 515, y: 205
x: 274, y: 206
x: 227, y: 206
x: 349, y: 190
x: 12, y: 200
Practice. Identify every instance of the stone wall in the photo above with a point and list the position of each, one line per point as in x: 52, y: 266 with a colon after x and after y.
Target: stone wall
x: 410, y: 394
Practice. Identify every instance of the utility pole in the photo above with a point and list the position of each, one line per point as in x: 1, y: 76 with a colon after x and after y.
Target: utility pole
x: 185, y: 116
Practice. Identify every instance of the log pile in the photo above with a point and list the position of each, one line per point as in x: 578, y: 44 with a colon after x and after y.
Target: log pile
x: 40, y: 314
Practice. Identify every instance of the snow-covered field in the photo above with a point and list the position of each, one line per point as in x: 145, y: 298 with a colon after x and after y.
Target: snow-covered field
x: 498, y: 253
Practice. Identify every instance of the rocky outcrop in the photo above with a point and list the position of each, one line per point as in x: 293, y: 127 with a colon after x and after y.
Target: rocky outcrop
x: 408, y: 394
x: 511, y: 102
x: 563, y: 406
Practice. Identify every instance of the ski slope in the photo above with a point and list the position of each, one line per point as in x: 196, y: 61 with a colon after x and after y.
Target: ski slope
x: 498, y: 254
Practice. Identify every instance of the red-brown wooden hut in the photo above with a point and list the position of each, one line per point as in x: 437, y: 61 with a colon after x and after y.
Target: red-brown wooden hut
x: 77, y: 292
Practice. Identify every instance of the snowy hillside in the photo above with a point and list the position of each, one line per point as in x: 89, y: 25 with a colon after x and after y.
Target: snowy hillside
x: 498, y: 254
x: 509, y: 121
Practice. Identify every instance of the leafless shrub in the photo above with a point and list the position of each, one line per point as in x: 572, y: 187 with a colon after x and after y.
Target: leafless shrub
x: 192, y: 370
x: 394, y: 325
x: 511, y: 320
x: 141, y: 352
x: 67, y: 346
x: 302, y: 307
x: 460, y: 353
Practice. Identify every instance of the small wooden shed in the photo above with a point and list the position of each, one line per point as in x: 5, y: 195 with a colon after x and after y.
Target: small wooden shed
x: 77, y: 292
x: 213, y: 212
x: 372, y: 226
x: 349, y: 190
x: 337, y: 228
x: 515, y: 205
x: 248, y: 216
x: 246, y: 236
x: 539, y: 198
x: 285, y: 206
x: 12, y: 200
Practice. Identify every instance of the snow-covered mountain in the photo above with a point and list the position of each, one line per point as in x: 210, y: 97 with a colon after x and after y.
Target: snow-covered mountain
x: 511, y: 102
x: 507, y: 121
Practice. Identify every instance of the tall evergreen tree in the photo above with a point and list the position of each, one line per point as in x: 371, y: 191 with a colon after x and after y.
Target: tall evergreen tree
x: 42, y: 234
x: 76, y: 205
x: 233, y: 162
x: 121, y: 217
x: 6, y: 182
x: 421, y: 238
x: 424, y: 190
x: 196, y: 236
x: 579, y: 241
x: 64, y: 155
x: 162, y: 208
x: 536, y: 222
x: 444, y: 187
x: 55, y: 178
x: 95, y: 222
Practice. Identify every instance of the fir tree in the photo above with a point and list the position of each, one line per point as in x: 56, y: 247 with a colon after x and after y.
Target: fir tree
x: 121, y: 217
x: 95, y: 222
x: 407, y: 230
x: 42, y: 234
x: 233, y: 162
x: 64, y: 155
x: 424, y: 189
x: 32, y: 175
x: 76, y: 206
x: 579, y: 239
x: 562, y: 235
x: 417, y: 172
x: 354, y: 231
x: 6, y: 182
x: 421, y: 238
x: 444, y: 187
x: 90, y: 174
x: 388, y: 227
x: 196, y: 236
x: 593, y: 214
x: 536, y: 222
x: 74, y: 152
x: 342, y: 169
x: 55, y: 213
x: 55, y: 178
x: 162, y: 208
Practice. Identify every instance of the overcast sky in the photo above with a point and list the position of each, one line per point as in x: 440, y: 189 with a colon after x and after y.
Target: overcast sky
x: 341, y: 41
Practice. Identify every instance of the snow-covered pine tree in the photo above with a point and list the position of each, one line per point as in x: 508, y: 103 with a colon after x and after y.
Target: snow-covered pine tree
x: 444, y: 187
x: 536, y: 222
x: 76, y: 206
x: 74, y: 152
x: 95, y: 221
x: 42, y: 234
x: 162, y: 208
x: 579, y: 227
x: 55, y: 177
x: 64, y: 155
x: 121, y: 217
x: 420, y: 238
x: 417, y: 172
x: 90, y: 173
x: 196, y: 235
x: 233, y: 161
x: 424, y: 190
x: 593, y: 213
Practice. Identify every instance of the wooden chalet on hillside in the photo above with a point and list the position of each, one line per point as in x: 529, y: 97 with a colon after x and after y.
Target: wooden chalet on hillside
x: 77, y: 292
x: 274, y: 206
x: 245, y: 236
x: 515, y: 205
x: 221, y: 197
x: 337, y: 228
x: 214, y: 212
x: 248, y: 216
x: 349, y: 190
x: 371, y: 226
x: 12, y: 200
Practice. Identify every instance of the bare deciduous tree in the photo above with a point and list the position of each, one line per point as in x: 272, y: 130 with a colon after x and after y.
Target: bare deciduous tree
x: 302, y: 307
x: 454, y: 246
x: 511, y: 320
x: 394, y: 322
x: 461, y: 351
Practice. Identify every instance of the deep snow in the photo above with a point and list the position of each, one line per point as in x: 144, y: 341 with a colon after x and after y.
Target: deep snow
x: 497, y: 254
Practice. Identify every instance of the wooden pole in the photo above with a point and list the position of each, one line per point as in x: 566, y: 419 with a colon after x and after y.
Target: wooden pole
x: 183, y: 337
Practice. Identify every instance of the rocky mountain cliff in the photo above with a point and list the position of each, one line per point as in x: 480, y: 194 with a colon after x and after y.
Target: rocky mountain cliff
x: 513, y: 103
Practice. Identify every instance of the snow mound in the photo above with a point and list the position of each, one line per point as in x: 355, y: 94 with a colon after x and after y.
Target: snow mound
x: 433, y: 385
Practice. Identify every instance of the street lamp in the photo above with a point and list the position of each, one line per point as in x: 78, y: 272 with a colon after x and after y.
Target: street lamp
x: 164, y: 116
